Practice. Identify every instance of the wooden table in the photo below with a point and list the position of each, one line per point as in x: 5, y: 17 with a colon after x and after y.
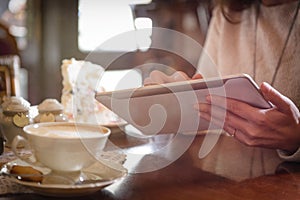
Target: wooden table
x: 231, y: 171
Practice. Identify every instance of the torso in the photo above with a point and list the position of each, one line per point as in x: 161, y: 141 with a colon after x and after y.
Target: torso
x: 234, y: 46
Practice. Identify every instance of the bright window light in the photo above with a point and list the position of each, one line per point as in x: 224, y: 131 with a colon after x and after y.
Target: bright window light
x: 122, y: 79
x: 101, y: 20
x: 143, y: 27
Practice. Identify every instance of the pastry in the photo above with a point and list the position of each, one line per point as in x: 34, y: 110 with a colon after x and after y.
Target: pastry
x: 27, y: 173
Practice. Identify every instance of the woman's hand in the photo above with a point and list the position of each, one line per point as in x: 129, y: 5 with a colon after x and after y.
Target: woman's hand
x: 276, y: 128
x: 158, y: 77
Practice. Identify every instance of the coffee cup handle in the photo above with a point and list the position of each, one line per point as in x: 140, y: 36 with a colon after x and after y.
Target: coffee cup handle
x: 31, y: 160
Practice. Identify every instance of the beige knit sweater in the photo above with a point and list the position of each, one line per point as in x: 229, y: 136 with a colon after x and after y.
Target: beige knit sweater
x: 229, y: 49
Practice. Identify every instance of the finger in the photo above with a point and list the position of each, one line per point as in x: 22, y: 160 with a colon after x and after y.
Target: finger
x: 227, y: 120
x: 263, y: 117
x: 154, y: 78
x: 205, y: 113
x: 197, y: 76
x: 283, y: 103
x: 203, y: 107
x: 272, y: 95
x: 159, y: 77
x: 220, y: 116
x: 212, y: 110
x: 256, y: 139
x: 239, y: 108
x: 180, y: 76
x: 149, y: 81
x: 229, y: 130
x: 219, y: 123
x: 237, y: 129
x: 246, y: 132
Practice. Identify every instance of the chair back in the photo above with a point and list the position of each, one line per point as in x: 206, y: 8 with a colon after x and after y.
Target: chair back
x: 9, y: 76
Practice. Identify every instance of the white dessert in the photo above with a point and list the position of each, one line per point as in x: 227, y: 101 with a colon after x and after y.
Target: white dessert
x: 15, y: 104
x: 50, y: 110
x: 49, y: 105
x: 14, y: 118
x: 80, y: 79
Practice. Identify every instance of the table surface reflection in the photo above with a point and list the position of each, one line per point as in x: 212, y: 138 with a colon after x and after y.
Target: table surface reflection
x: 230, y: 171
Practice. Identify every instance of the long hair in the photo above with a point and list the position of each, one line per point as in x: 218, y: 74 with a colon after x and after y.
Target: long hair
x: 228, y: 6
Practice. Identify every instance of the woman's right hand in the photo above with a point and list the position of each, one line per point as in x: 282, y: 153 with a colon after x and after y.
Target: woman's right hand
x: 158, y: 77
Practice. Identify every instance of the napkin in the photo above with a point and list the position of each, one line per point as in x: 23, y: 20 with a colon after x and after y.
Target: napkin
x: 6, y: 185
x: 112, y: 159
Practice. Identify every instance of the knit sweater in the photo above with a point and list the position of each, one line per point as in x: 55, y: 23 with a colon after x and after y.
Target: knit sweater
x: 230, y: 49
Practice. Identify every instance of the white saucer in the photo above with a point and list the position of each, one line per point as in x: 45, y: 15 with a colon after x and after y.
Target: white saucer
x: 113, y: 124
x: 115, y: 127
x: 89, y: 180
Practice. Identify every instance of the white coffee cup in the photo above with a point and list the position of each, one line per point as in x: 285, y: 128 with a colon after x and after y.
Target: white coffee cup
x: 62, y: 146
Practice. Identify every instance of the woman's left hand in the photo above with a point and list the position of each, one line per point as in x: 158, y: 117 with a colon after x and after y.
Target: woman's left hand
x: 276, y: 128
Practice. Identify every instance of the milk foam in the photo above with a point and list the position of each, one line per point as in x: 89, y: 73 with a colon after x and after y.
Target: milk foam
x: 67, y: 131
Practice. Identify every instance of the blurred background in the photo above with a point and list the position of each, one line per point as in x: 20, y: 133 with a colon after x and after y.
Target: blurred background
x: 45, y: 32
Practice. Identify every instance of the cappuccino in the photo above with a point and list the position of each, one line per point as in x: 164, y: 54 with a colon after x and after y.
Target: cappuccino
x: 66, y: 131
x: 63, y: 146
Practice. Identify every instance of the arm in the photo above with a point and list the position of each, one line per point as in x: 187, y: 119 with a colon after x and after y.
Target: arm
x: 208, y: 58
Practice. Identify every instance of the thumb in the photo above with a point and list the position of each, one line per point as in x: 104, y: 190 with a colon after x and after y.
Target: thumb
x: 197, y: 76
x: 282, y: 103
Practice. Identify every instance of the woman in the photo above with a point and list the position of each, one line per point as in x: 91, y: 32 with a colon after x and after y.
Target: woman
x: 260, y: 38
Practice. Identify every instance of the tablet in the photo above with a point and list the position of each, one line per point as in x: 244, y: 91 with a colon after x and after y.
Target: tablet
x: 169, y: 108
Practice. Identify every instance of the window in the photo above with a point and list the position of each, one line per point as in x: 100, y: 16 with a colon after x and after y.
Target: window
x: 110, y: 26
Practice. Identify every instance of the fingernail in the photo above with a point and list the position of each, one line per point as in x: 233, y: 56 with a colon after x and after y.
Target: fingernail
x: 201, y: 107
x: 196, y: 106
x: 208, y: 98
x: 264, y: 87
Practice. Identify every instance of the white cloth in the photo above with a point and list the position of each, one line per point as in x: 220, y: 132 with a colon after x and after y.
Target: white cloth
x: 229, y: 48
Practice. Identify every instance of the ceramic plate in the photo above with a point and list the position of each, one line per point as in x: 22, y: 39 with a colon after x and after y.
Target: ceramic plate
x: 116, y: 126
x: 88, y: 181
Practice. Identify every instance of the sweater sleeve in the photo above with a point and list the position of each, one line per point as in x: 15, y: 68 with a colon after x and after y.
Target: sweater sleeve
x: 295, y: 157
